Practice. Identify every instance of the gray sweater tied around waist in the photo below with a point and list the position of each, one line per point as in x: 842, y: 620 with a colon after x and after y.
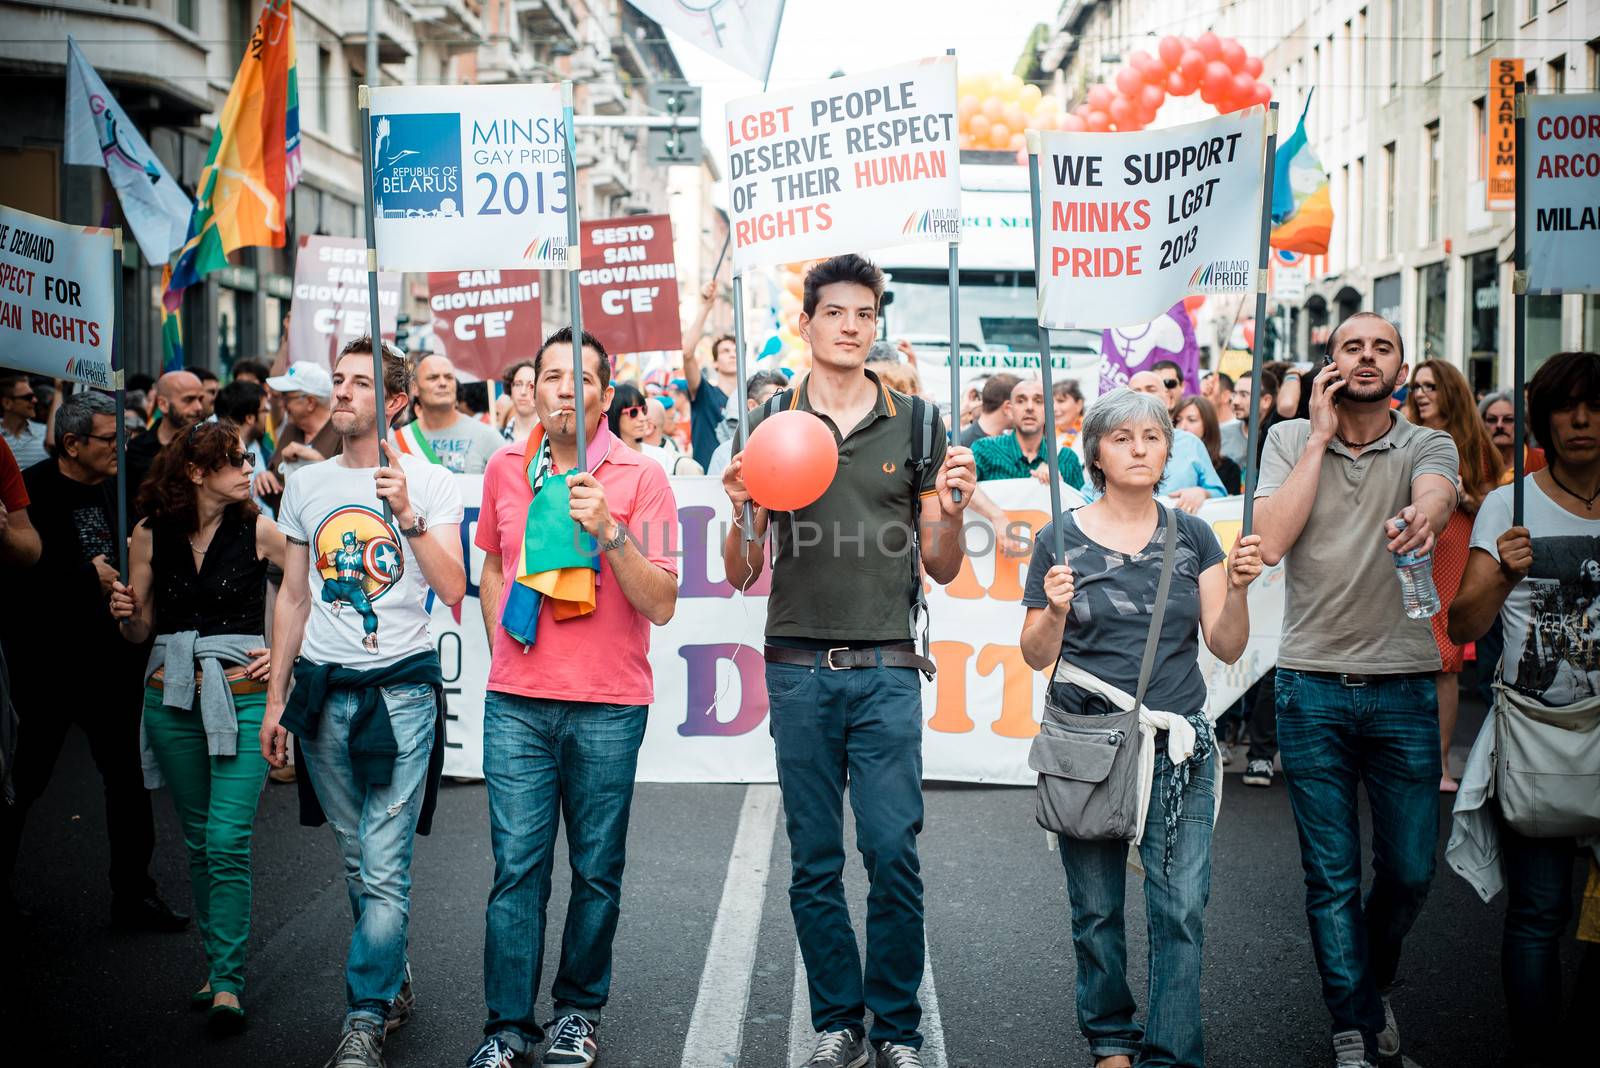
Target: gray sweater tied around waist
x: 178, y: 654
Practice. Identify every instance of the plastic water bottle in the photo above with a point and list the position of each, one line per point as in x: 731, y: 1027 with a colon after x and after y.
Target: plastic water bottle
x: 1417, y: 592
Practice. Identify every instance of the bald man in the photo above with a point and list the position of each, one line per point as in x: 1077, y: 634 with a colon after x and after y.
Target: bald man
x: 180, y: 403
x: 442, y: 434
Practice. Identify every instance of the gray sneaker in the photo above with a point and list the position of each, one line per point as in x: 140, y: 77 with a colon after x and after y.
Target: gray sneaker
x: 1258, y: 773
x: 404, y: 1004
x: 1389, y: 1038
x: 894, y: 1055
x: 357, y: 1049
x: 839, y: 1049
x: 1350, y: 1051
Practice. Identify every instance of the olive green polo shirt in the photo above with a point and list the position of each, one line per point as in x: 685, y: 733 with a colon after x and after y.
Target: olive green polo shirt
x: 842, y: 568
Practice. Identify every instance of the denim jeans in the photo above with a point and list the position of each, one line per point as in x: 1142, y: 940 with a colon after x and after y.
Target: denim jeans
x: 376, y: 829
x: 863, y: 726
x: 1175, y: 908
x: 1332, y: 737
x: 545, y: 762
x: 1538, y: 909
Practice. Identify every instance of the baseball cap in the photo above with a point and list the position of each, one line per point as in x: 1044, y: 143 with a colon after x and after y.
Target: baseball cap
x: 305, y: 376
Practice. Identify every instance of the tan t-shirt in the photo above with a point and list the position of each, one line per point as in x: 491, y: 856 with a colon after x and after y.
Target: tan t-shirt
x: 1342, y: 609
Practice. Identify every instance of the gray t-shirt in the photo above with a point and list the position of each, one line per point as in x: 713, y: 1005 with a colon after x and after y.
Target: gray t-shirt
x: 465, y: 445
x: 1113, y: 598
x: 1342, y: 608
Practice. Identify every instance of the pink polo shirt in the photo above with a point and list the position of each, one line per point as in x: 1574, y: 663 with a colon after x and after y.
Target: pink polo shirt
x: 603, y: 657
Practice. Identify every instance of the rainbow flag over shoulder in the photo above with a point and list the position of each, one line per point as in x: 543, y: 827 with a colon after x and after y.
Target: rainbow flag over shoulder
x: 1302, y: 208
x: 243, y: 194
x: 558, y: 561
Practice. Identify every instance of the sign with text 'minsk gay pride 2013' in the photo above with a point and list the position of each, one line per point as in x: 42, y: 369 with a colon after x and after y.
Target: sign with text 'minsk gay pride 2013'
x: 469, y: 176
x: 56, y: 299
x: 630, y: 284
x: 1563, y: 176
x: 861, y: 162
x: 1131, y: 223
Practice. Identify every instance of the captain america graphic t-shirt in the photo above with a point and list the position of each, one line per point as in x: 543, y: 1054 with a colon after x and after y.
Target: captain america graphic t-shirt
x: 368, y: 596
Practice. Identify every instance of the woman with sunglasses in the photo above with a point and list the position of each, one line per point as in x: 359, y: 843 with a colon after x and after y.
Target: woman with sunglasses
x: 197, y: 566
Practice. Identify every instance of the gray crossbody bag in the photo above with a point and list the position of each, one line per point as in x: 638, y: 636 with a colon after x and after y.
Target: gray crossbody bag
x: 1089, y: 765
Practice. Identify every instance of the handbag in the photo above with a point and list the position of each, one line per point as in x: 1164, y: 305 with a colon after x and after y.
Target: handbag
x: 1547, y: 764
x: 1088, y: 766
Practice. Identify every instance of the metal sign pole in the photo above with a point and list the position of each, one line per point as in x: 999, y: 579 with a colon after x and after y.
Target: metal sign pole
x: 1046, y: 371
x: 747, y: 519
x: 574, y: 287
x: 374, y: 324
x: 1258, y: 350
x: 119, y: 372
x: 1519, y: 303
x: 955, y: 341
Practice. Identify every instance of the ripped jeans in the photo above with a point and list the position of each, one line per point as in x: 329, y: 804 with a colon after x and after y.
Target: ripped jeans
x: 376, y: 829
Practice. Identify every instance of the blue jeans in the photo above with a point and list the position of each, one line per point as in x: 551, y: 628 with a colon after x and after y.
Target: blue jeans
x: 545, y: 761
x: 863, y: 726
x: 376, y: 829
x: 1331, y: 737
x: 1175, y: 908
x: 1538, y: 909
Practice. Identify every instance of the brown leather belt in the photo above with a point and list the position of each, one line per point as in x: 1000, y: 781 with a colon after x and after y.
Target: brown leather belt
x: 239, y: 684
x: 842, y: 658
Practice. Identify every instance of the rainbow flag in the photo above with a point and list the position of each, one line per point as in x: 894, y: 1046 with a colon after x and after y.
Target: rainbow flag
x: 171, y: 326
x: 1302, y: 209
x: 243, y: 192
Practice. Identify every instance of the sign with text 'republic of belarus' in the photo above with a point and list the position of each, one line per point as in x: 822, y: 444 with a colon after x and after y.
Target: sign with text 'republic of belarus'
x: 1500, y: 147
x: 1131, y: 223
x: 860, y: 162
x: 485, y: 320
x: 469, y: 177
x: 1563, y: 176
x: 56, y: 299
x: 630, y: 284
x: 330, y: 298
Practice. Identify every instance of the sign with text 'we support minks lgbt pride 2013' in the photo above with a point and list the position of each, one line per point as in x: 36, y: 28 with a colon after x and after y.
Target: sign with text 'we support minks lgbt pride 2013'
x: 57, y: 300
x: 866, y: 161
x: 708, y: 722
x: 1131, y: 223
x: 1563, y: 175
x: 469, y: 176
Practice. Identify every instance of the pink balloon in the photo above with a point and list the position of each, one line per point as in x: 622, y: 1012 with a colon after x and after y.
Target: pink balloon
x: 1232, y: 53
x: 790, y: 461
x: 1139, y: 59
x: 1098, y: 122
x: 1244, y: 87
x: 1022, y: 156
x: 1099, y: 98
x: 1128, y: 81
x: 1151, y: 98
x: 1263, y: 94
x: 1073, y: 124
x: 1209, y: 45
x: 1123, y: 112
x: 1253, y: 66
x: 1177, y: 85
x: 1147, y: 115
x: 1218, y: 80
x: 1171, y: 51
x: 1193, y: 65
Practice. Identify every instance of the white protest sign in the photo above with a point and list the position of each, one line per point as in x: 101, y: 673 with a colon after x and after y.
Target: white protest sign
x: 1131, y: 223
x: 1563, y: 175
x: 56, y: 299
x: 865, y: 161
x: 469, y: 176
x: 331, y: 304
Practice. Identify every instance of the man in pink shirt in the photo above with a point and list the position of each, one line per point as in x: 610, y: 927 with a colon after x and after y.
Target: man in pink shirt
x: 559, y: 734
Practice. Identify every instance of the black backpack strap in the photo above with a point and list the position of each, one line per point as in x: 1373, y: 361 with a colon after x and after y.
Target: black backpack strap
x: 921, y: 457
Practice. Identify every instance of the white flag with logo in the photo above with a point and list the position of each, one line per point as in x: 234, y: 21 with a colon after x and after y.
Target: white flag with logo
x: 741, y: 33
x: 99, y: 134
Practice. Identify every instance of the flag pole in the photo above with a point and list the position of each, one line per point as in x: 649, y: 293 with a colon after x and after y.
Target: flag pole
x: 374, y: 324
x: 1046, y: 371
x: 118, y: 381
x: 1258, y: 350
x: 574, y: 287
x: 1519, y: 303
x: 955, y: 337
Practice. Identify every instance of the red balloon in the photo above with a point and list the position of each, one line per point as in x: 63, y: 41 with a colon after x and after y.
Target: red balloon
x: 1128, y: 81
x: 1151, y: 98
x: 1244, y: 87
x: 1123, y: 112
x: 1171, y: 51
x: 1263, y: 94
x: 1209, y: 45
x: 1253, y: 66
x: 1147, y: 115
x: 790, y: 461
x: 1193, y: 65
x: 1139, y: 59
x: 1177, y: 85
x: 1073, y: 124
x: 1098, y: 122
x: 1194, y: 303
x: 1099, y: 98
x: 1218, y: 80
x: 1232, y: 53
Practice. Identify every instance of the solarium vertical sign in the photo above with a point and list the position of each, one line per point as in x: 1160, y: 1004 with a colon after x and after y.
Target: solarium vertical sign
x: 469, y: 177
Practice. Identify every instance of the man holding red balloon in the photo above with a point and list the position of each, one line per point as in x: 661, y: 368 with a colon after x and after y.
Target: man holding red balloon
x: 861, y: 494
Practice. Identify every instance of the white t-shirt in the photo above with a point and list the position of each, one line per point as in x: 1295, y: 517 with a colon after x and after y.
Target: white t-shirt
x: 1551, y: 618
x: 671, y: 460
x: 367, y: 590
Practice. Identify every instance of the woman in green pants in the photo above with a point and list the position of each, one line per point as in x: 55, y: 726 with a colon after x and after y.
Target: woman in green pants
x: 197, y: 583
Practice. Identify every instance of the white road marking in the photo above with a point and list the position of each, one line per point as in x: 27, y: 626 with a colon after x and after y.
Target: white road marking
x: 716, y: 1029
x: 802, y: 1039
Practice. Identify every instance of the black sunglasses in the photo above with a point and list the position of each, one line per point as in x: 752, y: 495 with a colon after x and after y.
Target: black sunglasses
x: 1172, y: 383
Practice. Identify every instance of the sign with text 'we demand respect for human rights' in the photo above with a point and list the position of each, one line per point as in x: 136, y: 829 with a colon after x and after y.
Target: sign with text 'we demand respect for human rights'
x: 469, y: 177
x: 56, y: 299
x: 861, y: 162
x: 1131, y: 223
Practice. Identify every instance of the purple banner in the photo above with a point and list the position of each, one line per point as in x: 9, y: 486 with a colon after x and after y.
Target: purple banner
x: 1138, y: 348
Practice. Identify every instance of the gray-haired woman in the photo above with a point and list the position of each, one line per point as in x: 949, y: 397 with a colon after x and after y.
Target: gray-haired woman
x: 1088, y: 618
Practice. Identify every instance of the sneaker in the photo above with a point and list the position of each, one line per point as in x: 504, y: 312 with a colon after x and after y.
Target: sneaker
x: 894, y: 1055
x: 1225, y: 753
x: 148, y: 913
x: 1349, y: 1051
x: 1258, y: 773
x: 404, y: 1004
x: 572, y: 1043
x: 839, y: 1049
x: 357, y: 1048
x: 1389, y: 1037
x: 493, y: 1054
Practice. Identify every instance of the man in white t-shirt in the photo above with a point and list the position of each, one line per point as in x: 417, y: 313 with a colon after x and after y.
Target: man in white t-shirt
x: 369, y: 536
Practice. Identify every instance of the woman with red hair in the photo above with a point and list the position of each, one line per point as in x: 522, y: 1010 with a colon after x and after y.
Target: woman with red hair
x: 197, y: 583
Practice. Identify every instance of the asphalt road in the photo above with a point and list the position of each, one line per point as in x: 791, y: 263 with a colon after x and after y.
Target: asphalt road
x: 705, y: 954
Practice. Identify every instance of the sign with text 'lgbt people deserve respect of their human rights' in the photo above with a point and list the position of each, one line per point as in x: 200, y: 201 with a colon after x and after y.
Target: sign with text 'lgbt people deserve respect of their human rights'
x: 1131, y: 223
x: 469, y: 176
x: 867, y: 161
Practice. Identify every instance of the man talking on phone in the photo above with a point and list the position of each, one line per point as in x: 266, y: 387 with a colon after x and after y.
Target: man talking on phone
x: 1338, y: 493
